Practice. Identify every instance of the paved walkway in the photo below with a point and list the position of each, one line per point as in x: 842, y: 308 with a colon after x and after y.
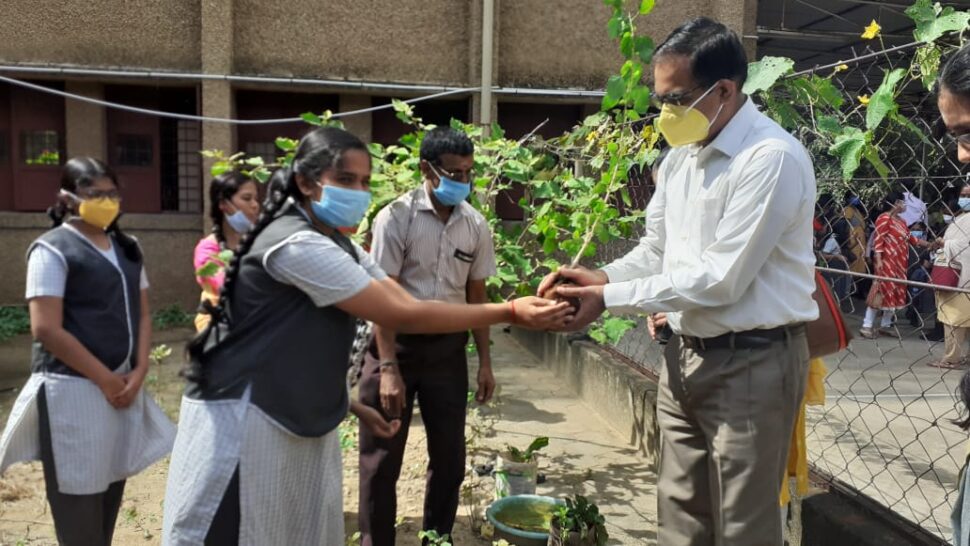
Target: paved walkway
x: 585, y: 454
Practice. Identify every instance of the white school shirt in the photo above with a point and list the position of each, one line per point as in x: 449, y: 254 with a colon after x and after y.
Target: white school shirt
x: 728, y: 241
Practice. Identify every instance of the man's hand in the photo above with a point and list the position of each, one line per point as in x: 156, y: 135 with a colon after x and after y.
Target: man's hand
x: 580, y: 276
x: 591, y: 304
x: 374, y: 421
x: 541, y: 314
x: 392, y: 391
x: 112, y: 385
x: 486, y: 382
x: 655, y: 323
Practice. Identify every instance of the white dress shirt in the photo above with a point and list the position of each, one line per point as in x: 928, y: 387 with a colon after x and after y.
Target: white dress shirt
x: 728, y: 241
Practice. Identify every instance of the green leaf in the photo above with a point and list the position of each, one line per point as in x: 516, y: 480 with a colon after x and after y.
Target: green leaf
x: 626, y: 44
x: 829, y: 124
x: 848, y: 148
x: 220, y: 167
x: 640, y: 97
x: 905, y: 122
x: 644, y: 47
x: 646, y: 6
x: 614, y: 26
x: 312, y: 118
x: 615, y: 88
x: 928, y: 59
x: 763, y: 74
x: 883, y: 101
x: 933, y: 21
x: 286, y: 144
x: 871, y: 153
x: 208, y: 270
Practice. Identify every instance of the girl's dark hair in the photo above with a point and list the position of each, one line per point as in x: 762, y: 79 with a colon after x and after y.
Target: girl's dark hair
x: 223, y: 188
x: 714, y: 50
x: 81, y: 173
x: 318, y: 151
x: 891, y: 199
x: 955, y: 74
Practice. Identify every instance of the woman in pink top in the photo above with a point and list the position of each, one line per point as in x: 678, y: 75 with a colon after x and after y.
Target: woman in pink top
x: 234, y: 208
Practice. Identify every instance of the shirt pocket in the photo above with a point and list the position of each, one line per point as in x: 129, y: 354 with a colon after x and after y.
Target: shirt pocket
x: 703, y: 226
x: 457, y: 262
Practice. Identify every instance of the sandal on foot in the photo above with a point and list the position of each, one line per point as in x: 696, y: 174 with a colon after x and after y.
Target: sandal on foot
x: 868, y: 333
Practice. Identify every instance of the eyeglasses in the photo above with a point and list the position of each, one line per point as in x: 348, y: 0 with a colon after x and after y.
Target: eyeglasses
x: 961, y: 139
x: 100, y: 194
x: 458, y: 176
x: 681, y: 98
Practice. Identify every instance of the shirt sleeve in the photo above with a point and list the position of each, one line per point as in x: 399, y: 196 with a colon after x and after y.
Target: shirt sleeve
x: 484, y: 265
x: 387, y: 245
x: 646, y: 258
x: 768, y: 196
x: 205, y: 252
x: 369, y: 264
x: 46, y: 273
x: 143, y: 280
x: 315, y: 264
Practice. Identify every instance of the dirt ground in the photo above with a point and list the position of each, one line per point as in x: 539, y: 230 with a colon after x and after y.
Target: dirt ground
x: 25, y: 518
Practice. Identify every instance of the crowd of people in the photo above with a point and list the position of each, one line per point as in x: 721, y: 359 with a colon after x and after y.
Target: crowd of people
x: 899, y: 237
x: 726, y: 264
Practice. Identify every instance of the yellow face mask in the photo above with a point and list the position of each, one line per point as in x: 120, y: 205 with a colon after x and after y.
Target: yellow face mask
x: 683, y: 125
x: 99, y: 212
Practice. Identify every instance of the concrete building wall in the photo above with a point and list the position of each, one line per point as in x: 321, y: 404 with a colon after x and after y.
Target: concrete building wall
x: 145, y: 33
x: 167, y: 239
x: 565, y: 44
x: 405, y: 41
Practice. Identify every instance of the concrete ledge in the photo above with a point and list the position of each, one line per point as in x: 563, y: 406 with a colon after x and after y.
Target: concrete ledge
x: 168, y: 221
x: 832, y: 518
x: 620, y: 395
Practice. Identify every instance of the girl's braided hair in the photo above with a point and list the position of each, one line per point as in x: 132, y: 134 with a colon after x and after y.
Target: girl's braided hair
x: 318, y: 151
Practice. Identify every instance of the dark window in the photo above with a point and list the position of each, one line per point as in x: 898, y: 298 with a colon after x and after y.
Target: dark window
x: 265, y: 150
x: 134, y: 150
x: 40, y: 147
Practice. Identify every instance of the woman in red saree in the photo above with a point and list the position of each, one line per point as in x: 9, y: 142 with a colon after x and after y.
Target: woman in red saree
x: 890, y: 251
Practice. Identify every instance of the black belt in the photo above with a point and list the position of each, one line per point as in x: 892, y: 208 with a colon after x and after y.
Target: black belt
x: 752, y: 339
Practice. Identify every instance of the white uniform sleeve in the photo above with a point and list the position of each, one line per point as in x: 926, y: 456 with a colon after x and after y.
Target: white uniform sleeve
x: 315, y: 264
x: 46, y: 273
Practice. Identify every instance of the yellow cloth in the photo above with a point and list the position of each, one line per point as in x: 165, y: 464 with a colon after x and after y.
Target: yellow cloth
x: 797, y: 453
x: 857, y: 239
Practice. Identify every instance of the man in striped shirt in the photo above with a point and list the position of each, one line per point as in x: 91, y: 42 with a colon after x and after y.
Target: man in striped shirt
x: 438, y: 248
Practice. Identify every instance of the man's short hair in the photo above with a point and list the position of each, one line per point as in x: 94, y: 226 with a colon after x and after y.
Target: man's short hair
x: 714, y: 50
x: 445, y: 140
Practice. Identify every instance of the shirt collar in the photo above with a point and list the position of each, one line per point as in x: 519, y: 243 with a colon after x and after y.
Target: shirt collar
x: 731, y: 137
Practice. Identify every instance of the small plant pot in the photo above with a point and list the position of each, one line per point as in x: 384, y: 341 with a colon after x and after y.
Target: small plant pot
x: 572, y: 539
x: 514, y: 478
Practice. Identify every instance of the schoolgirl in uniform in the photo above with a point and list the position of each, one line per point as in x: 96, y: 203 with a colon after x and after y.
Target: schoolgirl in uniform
x: 257, y: 458
x: 83, y: 412
x: 234, y: 208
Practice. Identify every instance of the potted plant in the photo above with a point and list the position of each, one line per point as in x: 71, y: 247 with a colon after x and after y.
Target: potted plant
x: 516, y: 470
x: 578, y: 523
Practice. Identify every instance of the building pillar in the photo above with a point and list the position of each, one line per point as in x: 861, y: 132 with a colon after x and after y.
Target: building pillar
x: 475, y: 59
x: 217, y: 99
x: 742, y: 17
x: 85, y: 123
x: 361, y: 125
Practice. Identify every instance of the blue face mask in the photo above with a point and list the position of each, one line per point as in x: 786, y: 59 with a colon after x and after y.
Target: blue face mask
x: 341, y: 207
x: 239, y: 222
x: 964, y: 204
x: 450, y: 192
x: 918, y: 234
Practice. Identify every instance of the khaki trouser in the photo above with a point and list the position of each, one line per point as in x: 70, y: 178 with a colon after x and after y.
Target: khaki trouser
x: 955, y: 342
x: 726, y: 419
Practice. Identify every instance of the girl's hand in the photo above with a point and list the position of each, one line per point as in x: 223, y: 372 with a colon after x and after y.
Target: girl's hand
x: 374, y: 421
x: 133, y: 382
x: 541, y: 314
x: 111, y: 385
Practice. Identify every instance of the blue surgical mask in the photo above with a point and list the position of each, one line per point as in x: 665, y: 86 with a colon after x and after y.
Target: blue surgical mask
x: 450, y: 192
x: 917, y: 233
x: 239, y: 222
x: 964, y: 204
x: 341, y: 207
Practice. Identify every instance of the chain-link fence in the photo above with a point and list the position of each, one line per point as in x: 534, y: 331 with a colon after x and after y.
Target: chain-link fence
x: 886, y: 428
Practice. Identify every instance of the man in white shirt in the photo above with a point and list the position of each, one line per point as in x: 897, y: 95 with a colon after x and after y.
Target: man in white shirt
x: 727, y: 261
x: 915, y: 210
